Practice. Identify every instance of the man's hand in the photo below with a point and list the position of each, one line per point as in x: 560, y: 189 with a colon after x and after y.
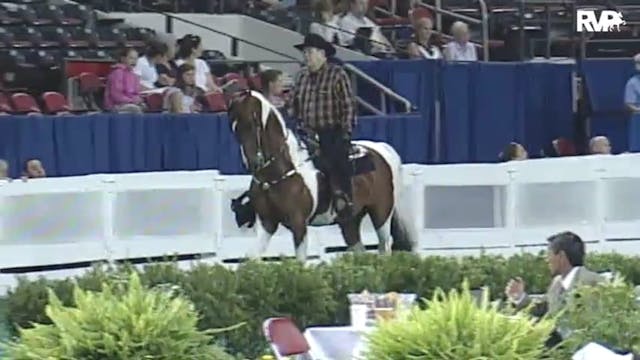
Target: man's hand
x: 515, y: 289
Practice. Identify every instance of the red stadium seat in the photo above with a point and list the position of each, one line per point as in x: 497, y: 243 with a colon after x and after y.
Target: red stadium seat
x: 55, y: 103
x: 243, y: 83
x: 285, y: 337
x: 89, y: 82
x: 155, y: 102
x: 89, y: 86
x: 215, y: 102
x: 231, y: 76
x: 24, y: 104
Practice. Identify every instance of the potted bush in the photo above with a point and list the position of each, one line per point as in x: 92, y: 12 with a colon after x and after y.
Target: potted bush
x: 122, y: 322
x: 456, y: 326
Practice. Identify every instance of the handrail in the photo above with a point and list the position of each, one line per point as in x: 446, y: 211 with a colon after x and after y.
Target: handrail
x: 450, y: 13
x: 380, y: 86
x: 368, y: 106
x: 172, y: 16
x: 356, y: 35
x: 484, y: 22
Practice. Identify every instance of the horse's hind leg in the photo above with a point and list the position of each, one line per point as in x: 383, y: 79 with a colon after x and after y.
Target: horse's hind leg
x: 381, y: 219
x: 351, y: 233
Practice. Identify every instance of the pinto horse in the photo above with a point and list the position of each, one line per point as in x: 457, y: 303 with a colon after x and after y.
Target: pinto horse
x: 288, y: 189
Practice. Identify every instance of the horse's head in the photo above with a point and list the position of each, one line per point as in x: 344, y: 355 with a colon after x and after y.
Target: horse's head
x: 257, y: 128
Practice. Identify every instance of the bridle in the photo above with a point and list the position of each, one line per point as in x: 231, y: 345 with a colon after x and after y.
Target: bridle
x: 262, y: 164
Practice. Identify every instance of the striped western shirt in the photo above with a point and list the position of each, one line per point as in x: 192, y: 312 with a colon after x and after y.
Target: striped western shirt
x: 324, y: 98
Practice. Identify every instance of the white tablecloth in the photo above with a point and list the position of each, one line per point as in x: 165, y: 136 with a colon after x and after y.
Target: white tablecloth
x: 335, y: 342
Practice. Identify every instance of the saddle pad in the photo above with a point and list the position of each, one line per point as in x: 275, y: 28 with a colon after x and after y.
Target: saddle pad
x: 358, y: 151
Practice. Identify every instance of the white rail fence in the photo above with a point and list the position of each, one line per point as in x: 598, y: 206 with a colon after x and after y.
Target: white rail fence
x: 456, y: 210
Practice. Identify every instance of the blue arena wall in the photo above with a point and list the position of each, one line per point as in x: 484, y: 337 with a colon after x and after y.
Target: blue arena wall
x: 486, y: 105
x: 483, y: 107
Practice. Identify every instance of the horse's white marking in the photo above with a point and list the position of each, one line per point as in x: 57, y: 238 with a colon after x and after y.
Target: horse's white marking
x: 391, y: 157
x: 244, y: 157
x: 326, y: 218
x: 384, y: 236
x: 264, y: 238
x: 301, y: 251
x: 299, y: 154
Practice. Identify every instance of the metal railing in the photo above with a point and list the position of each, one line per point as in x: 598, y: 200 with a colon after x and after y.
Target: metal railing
x: 384, y: 91
x: 484, y: 21
x: 578, y: 40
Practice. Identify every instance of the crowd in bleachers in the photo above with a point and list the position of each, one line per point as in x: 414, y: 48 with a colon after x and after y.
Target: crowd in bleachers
x: 160, y: 81
x: 560, y: 147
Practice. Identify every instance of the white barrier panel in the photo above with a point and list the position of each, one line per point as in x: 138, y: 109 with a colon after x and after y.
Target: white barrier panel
x: 515, y: 206
x: 455, y: 210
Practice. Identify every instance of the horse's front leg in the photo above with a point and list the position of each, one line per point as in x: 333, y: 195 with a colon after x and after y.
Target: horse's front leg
x: 265, y: 230
x: 300, y: 239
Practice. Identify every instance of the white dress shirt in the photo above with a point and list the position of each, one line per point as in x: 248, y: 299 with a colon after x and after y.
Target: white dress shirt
x: 454, y: 51
x: 147, y: 72
x: 567, y: 281
x: 433, y: 53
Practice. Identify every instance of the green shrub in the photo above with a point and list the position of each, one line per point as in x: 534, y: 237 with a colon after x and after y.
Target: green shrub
x: 281, y: 289
x: 313, y: 294
x: 454, y: 327
x: 608, y: 312
x: 119, y: 323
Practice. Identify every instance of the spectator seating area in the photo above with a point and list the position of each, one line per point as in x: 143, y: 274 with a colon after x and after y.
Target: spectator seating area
x: 37, y: 37
x: 506, y: 19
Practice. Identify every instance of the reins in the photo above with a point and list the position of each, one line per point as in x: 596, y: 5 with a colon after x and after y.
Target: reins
x: 265, y: 185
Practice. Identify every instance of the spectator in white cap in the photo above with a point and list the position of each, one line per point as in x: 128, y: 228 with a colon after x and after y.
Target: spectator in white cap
x: 599, y: 145
x: 632, y: 90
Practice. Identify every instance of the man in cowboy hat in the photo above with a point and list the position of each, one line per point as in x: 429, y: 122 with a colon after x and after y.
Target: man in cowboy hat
x: 324, y: 105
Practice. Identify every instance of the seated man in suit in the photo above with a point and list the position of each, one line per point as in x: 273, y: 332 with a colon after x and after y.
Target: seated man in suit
x: 566, y: 261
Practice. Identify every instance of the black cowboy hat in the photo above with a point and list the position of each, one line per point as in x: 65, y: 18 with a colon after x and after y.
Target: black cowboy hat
x: 318, y: 42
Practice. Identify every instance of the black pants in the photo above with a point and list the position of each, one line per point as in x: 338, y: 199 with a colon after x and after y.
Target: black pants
x: 335, y: 144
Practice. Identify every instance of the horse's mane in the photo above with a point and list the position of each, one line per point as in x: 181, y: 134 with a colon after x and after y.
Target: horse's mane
x: 298, y: 152
x: 267, y: 109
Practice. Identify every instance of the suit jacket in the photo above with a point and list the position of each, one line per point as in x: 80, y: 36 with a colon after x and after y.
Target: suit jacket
x: 555, y: 298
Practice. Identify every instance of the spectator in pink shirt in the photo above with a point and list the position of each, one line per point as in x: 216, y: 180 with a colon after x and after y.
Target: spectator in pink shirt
x: 123, y: 85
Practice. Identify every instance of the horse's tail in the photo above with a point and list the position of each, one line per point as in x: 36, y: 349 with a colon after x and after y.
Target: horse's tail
x: 402, y: 229
x: 403, y: 235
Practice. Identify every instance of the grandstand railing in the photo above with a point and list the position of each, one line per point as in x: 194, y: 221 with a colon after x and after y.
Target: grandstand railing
x: 457, y: 209
x: 383, y: 90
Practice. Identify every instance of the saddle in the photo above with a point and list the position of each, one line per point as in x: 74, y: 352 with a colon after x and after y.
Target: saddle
x: 359, y: 156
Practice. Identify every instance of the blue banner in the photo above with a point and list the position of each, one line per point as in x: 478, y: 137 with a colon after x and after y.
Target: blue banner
x: 605, y: 81
x: 484, y: 106
x: 120, y: 143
